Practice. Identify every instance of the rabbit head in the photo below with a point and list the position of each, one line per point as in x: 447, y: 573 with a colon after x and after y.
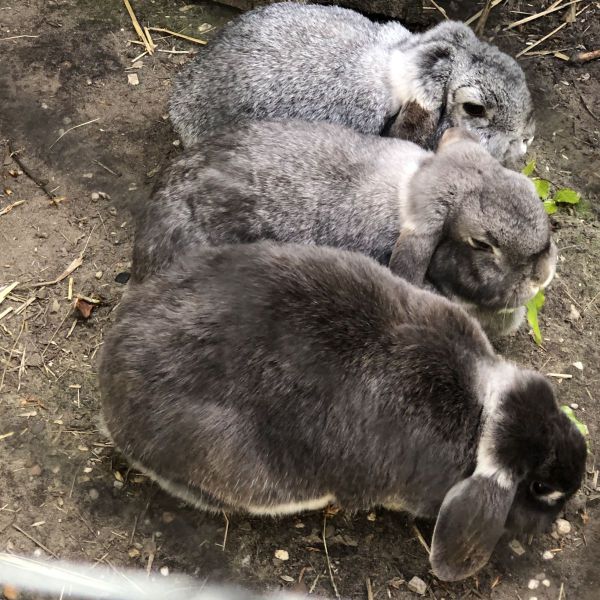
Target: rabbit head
x: 479, y: 231
x: 486, y: 91
x: 530, y: 461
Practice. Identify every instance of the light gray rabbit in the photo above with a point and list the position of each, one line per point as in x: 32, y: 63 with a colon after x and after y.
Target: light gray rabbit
x: 272, y: 379
x: 327, y: 63
x: 473, y: 229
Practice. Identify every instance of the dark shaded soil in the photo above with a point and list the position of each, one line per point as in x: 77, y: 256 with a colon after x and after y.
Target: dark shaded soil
x: 59, y: 480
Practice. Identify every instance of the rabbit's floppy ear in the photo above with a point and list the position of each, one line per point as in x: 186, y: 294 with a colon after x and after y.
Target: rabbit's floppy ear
x: 453, y: 135
x: 412, y: 253
x: 469, y: 524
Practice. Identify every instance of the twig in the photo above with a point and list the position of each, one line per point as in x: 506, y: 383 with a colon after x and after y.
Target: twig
x: 75, y: 264
x: 8, y: 208
x: 337, y: 594
x: 108, y: 168
x: 178, y: 35
x: 485, y: 13
x: 421, y: 539
x: 583, y: 57
x: 16, y: 37
x: 562, y: 590
x: 549, y: 35
x: 136, y: 26
x: 479, y: 13
x: 11, y: 354
x: 226, y: 532
x: 71, y: 129
x: 15, y: 156
x: 552, y: 8
x: 175, y: 51
x: 369, y: 589
x: 4, y: 292
x: 445, y: 15
x: 36, y: 542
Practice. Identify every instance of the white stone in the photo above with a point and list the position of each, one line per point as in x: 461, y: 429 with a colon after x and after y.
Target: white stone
x: 578, y: 365
x: 548, y: 555
x: 164, y: 571
x: 282, y: 554
x: 516, y: 547
x: 95, y: 196
x: 574, y: 406
x: 417, y: 585
x: 533, y: 584
x: 546, y: 582
x: 563, y: 527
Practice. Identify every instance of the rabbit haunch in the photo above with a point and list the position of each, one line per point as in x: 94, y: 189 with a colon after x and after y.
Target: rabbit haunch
x: 320, y: 63
x: 272, y: 378
x: 472, y: 228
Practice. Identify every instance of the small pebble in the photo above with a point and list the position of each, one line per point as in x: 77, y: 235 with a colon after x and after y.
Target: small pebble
x: 282, y: 554
x: 287, y: 578
x: 516, y: 547
x: 42, y: 234
x: 55, y: 306
x: 574, y: 406
x: 417, y: 585
x: 563, y: 527
x: 533, y: 598
x: 88, y: 175
x: 98, y: 274
x: 93, y: 494
x: 133, y: 79
x: 112, y: 211
x: 35, y: 471
x: 164, y: 571
x: 95, y: 196
x: 533, y: 584
x: 540, y: 576
x: 578, y: 365
x: 546, y: 582
x: 176, y: 142
x: 547, y: 555
x: 117, y: 484
x: 104, y: 195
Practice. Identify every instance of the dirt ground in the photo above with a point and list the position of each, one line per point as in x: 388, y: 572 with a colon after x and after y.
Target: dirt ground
x: 62, y: 490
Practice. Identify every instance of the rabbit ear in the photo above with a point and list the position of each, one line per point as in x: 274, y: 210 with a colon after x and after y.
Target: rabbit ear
x: 412, y: 254
x: 469, y: 524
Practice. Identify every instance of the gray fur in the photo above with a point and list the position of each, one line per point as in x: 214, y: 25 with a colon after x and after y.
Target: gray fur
x: 323, y: 184
x: 270, y: 378
x: 325, y: 63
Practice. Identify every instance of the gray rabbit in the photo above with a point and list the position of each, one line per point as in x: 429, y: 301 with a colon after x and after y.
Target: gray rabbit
x: 324, y: 63
x: 272, y: 379
x: 455, y: 219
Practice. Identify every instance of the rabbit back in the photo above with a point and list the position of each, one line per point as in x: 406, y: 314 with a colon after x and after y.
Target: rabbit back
x: 270, y: 376
x: 327, y: 59
x: 286, y: 181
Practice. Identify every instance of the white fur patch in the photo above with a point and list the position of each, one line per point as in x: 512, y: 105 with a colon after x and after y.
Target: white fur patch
x: 290, y: 508
x: 404, y: 79
x: 552, y: 497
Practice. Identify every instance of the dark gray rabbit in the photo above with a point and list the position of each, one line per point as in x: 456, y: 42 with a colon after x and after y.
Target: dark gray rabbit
x: 273, y: 379
x: 473, y: 229
x: 324, y: 63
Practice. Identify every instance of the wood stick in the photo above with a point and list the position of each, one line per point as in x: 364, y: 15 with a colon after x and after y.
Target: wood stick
x: 583, y: 57
x: 445, y: 15
x: 178, y: 35
x: 8, y: 208
x: 136, y: 26
x: 478, y: 14
x: 548, y: 35
x: 71, y: 129
x: 14, y: 154
x: 552, y: 8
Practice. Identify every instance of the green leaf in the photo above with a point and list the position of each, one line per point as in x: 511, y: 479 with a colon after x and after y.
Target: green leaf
x: 567, y: 196
x: 550, y: 207
x: 529, y: 168
x: 533, y: 308
x: 581, y: 426
x: 542, y: 187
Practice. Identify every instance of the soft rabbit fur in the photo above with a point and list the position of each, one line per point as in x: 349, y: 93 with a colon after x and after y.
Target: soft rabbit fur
x: 474, y: 229
x: 273, y: 379
x: 324, y: 63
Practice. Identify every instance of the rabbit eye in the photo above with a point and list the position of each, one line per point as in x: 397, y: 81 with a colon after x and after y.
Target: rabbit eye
x: 474, y: 110
x: 480, y: 245
x: 540, y: 488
